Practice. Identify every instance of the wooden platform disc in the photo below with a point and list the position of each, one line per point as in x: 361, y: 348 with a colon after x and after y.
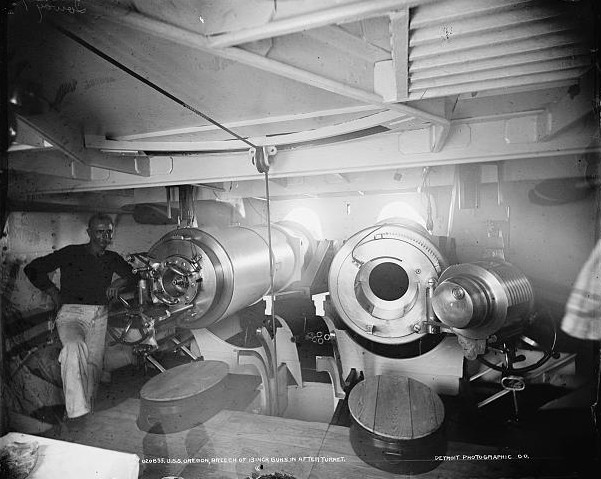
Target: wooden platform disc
x: 184, y: 381
x: 396, y: 407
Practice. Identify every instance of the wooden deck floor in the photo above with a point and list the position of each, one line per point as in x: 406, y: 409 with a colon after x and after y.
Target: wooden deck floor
x: 236, y: 443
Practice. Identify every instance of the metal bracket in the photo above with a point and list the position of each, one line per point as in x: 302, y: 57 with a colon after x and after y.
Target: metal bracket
x: 262, y: 157
x: 513, y: 383
x: 330, y: 365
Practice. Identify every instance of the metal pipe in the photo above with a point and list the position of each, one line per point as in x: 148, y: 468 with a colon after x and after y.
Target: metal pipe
x: 492, y: 398
x: 185, y: 349
x: 478, y: 375
x: 155, y: 363
x: 168, y: 193
x: 272, y: 293
x: 186, y: 207
x: 251, y: 122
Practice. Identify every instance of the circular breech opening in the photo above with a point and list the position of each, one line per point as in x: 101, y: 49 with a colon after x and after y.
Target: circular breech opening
x: 175, y: 284
x: 388, y: 281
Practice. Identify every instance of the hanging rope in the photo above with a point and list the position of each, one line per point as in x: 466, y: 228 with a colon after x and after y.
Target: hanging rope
x: 425, y: 190
x: 259, y: 157
x: 272, y: 292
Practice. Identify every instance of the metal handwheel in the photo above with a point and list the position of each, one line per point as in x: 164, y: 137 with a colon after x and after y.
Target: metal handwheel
x: 508, y: 347
x: 132, y: 321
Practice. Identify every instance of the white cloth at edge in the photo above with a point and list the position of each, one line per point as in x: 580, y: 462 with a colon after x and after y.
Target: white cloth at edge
x: 583, y: 310
x: 67, y: 460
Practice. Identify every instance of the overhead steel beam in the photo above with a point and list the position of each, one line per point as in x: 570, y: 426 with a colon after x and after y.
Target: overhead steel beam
x: 440, y: 134
x: 330, y: 131
x: 342, y: 14
x: 64, y: 136
x: 193, y: 40
x: 468, y: 142
x: 58, y: 207
x: 571, y: 108
x: 399, y: 41
x: 28, y: 136
x: 348, y: 43
x: 49, y: 162
x: 251, y: 122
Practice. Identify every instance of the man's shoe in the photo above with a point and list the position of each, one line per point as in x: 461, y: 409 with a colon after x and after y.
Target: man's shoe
x: 78, y: 423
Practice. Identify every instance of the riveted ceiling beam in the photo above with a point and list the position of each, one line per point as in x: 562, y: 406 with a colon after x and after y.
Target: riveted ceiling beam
x: 250, y: 122
x: 572, y: 107
x: 194, y: 40
x: 341, y: 14
x: 49, y: 162
x: 63, y: 135
x: 468, y: 142
x: 399, y: 41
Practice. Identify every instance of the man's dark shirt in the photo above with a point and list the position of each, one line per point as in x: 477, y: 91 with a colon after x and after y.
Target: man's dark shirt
x: 84, y: 276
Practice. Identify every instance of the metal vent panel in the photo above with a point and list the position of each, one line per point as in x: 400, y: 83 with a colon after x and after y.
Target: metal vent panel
x: 465, y: 46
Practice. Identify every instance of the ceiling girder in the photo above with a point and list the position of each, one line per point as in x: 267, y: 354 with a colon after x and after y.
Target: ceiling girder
x: 330, y: 131
x: 356, y: 11
x: 468, y: 142
x: 28, y: 136
x: 399, y: 40
x: 193, y: 40
x: 64, y: 136
x: 50, y: 162
x: 440, y: 133
x: 572, y: 107
x: 348, y: 43
x: 250, y: 122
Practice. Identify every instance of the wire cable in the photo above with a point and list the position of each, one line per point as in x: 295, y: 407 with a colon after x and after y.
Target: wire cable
x: 180, y: 102
x: 272, y: 294
x: 147, y: 82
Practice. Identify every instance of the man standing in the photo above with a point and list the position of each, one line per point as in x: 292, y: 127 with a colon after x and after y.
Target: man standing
x: 86, y: 286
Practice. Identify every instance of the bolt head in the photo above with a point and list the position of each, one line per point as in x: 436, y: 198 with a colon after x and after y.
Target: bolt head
x: 458, y: 293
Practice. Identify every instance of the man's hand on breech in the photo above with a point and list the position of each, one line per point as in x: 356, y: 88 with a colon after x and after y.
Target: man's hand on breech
x: 112, y: 292
x: 54, y: 293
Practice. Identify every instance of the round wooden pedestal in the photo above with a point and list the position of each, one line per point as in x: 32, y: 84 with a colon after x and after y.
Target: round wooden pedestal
x: 396, y: 424
x: 182, y: 397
